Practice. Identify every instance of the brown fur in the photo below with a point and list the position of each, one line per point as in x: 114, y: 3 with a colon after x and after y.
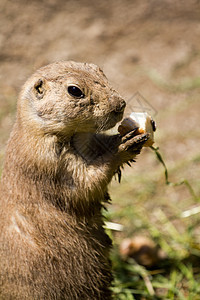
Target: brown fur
x: 57, y: 168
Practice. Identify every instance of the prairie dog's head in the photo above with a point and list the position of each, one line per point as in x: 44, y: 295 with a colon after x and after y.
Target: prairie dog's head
x: 68, y: 97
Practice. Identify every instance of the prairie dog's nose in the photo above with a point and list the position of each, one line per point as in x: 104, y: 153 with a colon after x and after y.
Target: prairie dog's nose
x: 120, y: 106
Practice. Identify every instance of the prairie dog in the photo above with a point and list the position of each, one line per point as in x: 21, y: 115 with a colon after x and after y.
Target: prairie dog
x: 57, y: 168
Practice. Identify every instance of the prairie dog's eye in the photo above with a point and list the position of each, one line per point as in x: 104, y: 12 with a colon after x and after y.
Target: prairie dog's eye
x: 75, y: 91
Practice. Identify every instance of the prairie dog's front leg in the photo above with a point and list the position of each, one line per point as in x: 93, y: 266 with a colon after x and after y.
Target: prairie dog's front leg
x: 121, y: 148
x: 113, y: 151
x: 131, y: 145
x: 102, y: 154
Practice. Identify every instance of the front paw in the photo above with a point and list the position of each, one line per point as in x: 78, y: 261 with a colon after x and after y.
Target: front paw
x: 133, y: 143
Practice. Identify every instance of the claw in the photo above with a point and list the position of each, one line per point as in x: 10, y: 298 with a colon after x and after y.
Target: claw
x: 136, y: 142
x: 141, y: 138
x: 129, y: 135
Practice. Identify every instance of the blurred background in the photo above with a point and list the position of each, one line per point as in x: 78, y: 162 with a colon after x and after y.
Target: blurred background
x: 146, y: 48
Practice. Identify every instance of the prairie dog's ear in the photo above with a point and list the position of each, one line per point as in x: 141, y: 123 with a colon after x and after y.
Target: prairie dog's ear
x: 39, y: 88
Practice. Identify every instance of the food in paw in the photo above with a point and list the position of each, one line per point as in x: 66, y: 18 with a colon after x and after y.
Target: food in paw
x: 142, y: 123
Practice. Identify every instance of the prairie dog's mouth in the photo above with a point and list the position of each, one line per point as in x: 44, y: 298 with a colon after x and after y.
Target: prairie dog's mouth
x: 117, y: 116
x: 110, y: 120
